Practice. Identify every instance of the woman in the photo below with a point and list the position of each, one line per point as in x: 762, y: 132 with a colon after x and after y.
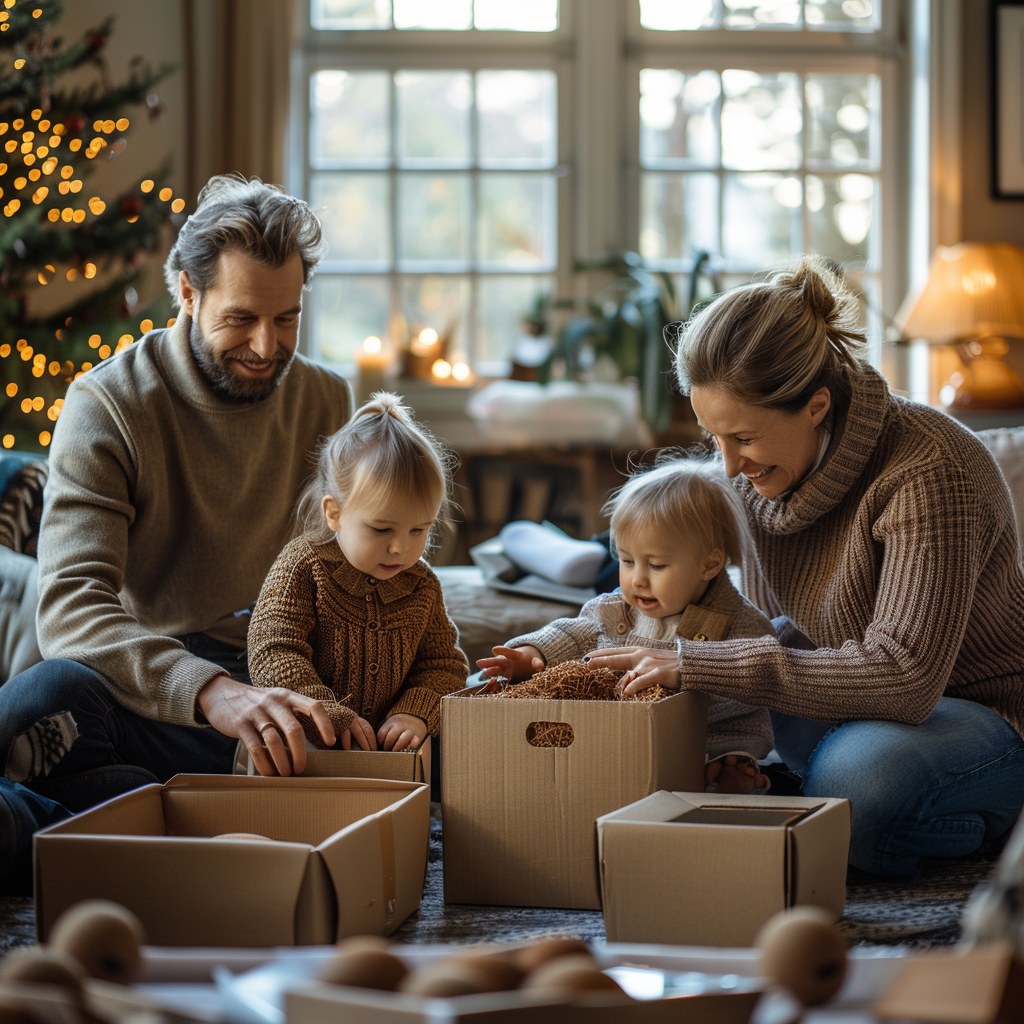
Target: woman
x: 885, y: 532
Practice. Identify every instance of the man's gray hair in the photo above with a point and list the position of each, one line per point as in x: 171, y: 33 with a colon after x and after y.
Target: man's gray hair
x: 247, y: 216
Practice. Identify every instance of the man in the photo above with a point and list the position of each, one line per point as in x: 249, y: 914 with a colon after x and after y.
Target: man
x: 173, y: 474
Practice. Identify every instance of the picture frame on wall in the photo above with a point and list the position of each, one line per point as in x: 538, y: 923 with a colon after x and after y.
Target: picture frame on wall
x: 1006, y: 51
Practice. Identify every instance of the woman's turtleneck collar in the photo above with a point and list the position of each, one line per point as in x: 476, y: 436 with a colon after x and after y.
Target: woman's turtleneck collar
x: 854, y: 439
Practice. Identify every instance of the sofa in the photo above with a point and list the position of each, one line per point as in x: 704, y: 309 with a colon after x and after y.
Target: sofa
x: 485, y: 617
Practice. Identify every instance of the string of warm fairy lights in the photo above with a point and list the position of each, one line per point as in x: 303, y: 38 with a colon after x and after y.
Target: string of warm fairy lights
x: 35, y: 142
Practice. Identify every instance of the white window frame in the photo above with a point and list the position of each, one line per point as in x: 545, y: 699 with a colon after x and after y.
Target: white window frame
x: 414, y: 49
x: 597, y: 53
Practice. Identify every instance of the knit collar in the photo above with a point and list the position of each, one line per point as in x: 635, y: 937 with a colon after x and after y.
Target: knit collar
x: 359, y: 584
x: 711, y: 617
x: 175, y: 356
x: 854, y: 441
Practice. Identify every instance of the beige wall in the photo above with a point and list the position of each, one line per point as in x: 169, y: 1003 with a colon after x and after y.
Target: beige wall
x: 984, y: 219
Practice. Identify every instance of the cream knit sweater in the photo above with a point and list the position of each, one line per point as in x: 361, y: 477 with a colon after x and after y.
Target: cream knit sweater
x: 899, y: 558
x: 164, y: 510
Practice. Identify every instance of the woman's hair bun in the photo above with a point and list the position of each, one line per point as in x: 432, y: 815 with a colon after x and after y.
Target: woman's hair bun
x: 818, y: 283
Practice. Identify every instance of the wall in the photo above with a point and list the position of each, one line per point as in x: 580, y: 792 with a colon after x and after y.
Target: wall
x: 984, y: 219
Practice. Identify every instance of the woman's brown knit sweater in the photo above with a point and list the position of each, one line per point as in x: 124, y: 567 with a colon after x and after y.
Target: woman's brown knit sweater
x: 363, y: 646
x: 899, y: 558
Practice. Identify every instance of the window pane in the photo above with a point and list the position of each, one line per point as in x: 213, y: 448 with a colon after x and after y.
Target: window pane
x: 679, y: 116
x: 351, y: 111
x: 501, y: 304
x: 439, y: 302
x: 433, y: 13
x: 844, y: 120
x: 517, y: 16
x: 355, y: 214
x: 678, y: 215
x: 761, y: 219
x: 843, y: 14
x: 761, y: 13
x: 351, y: 14
x: 516, y: 219
x: 840, y: 215
x: 761, y: 120
x: 516, y: 113
x: 433, y: 117
x: 433, y: 218
x: 677, y: 15
x: 346, y: 311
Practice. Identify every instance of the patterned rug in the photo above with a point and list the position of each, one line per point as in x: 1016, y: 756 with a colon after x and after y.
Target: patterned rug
x: 917, y: 913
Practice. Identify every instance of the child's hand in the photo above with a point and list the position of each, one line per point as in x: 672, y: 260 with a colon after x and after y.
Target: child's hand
x: 512, y: 662
x: 362, y: 732
x: 402, y: 732
x: 735, y: 773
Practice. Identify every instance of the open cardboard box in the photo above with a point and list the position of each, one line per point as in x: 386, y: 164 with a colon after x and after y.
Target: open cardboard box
x: 397, y: 765
x: 349, y: 858
x: 519, y: 819
x: 710, y: 868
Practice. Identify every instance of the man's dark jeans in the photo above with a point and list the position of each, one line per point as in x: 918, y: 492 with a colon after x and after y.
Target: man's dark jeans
x: 115, y: 751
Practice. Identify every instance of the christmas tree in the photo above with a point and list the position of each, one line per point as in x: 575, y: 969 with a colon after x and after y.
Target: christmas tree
x: 54, y: 230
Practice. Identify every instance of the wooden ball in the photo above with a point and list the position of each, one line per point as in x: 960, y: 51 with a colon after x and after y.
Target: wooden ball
x: 445, y: 980
x: 104, y: 937
x: 803, y: 951
x: 498, y: 969
x: 365, y: 968
x: 537, y: 953
x: 37, y: 965
x: 244, y: 835
x: 571, y: 974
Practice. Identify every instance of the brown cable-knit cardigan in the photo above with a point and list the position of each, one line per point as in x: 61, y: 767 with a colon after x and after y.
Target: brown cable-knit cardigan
x: 899, y: 558
x: 363, y: 646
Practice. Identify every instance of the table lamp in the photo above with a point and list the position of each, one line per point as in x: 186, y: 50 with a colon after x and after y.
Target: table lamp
x: 973, y: 299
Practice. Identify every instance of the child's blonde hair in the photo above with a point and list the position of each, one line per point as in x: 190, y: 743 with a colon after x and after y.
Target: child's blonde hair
x: 380, y: 454
x: 687, y: 494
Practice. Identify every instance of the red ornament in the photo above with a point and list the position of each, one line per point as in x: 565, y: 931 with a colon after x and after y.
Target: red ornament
x: 131, y: 206
x: 74, y: 123
x: 95, y: 41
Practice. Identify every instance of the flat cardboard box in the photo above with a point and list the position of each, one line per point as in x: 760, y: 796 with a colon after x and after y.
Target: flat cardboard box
x: 519, y: 820
x: 399, y: 766
x: 708, y: 869
x: 350, y: 858
x: 333, y: 1004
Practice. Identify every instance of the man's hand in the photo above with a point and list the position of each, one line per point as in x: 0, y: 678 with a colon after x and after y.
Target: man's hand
x: 735, y: 773
x: 264, y: 720
x: 402, y: 732
x: 644, y: 666
x: 512, y: 663
x: 362, y: 732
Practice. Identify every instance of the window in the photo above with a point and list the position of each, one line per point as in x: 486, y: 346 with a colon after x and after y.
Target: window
x: 435, y: 170
x: 463, y: 153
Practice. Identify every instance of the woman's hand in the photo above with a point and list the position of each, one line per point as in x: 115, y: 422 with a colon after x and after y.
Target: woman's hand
x: 362, y: 732
x: 735, y: 773
x: 644, y: 667
x: 512, y: 663
x: 402, y: 732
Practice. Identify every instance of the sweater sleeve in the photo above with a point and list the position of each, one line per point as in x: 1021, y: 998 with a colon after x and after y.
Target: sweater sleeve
x: 439, y: 668
x: 937, y: 532
x: 88, y: 511
x: 567, y: 639
x: 282, y: 623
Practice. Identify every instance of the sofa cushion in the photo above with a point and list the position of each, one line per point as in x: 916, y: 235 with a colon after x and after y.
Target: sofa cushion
x: 1007, y: 447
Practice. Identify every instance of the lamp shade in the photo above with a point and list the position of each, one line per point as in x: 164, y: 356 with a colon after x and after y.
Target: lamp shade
x: 974, y: 290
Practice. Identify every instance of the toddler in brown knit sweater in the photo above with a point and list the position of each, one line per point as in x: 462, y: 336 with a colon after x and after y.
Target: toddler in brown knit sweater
x: 350, y: 614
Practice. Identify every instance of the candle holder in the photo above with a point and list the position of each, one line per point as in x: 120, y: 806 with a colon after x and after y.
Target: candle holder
x: 373, y: 365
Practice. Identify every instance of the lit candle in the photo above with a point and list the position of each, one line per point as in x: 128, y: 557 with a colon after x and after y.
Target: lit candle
x: 441, y: 369
x: 372, y: 362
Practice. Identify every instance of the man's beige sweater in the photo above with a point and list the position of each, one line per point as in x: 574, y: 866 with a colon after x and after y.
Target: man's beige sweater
x: 899, y: 558
x: 164, y: 510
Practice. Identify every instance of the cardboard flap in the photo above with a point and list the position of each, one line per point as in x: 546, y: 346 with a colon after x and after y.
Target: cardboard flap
x: 820, y: 848
x: 660, y: 806
x: 402, y: 765
x: 138, y: 813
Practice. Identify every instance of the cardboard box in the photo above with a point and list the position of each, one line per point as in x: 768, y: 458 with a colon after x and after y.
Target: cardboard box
x: 399, y: 766
x: 519, y: 820
x: 350, y: 858
x: 708, y: 869
x: 333, y: 1004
